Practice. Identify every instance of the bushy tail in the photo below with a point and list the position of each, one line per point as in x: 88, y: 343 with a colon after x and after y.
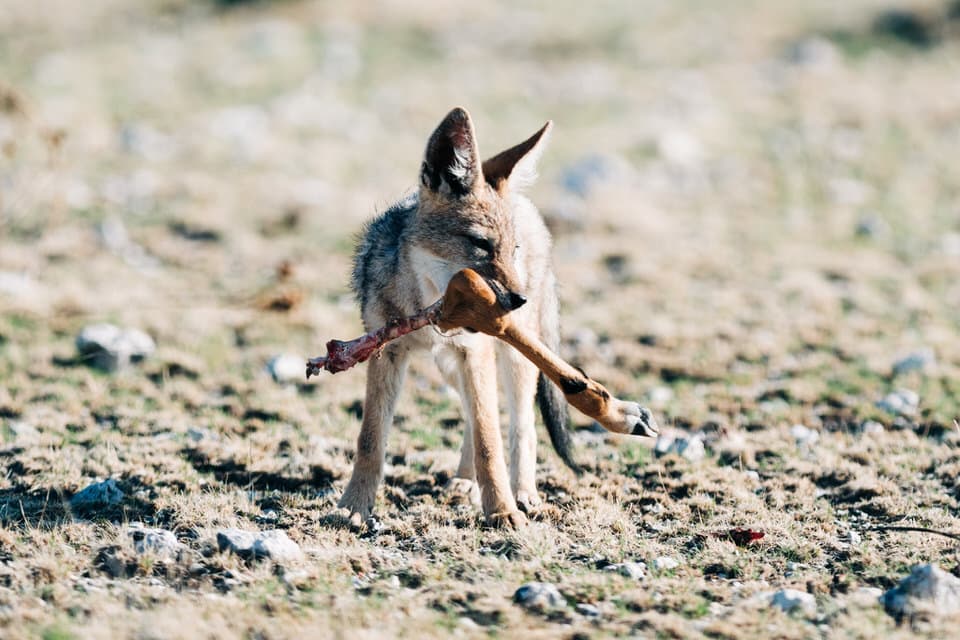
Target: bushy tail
x: 553, y: 408
x: 552, y: 403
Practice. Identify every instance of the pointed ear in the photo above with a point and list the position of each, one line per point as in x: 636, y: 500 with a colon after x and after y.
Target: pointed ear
x: 516, y: 167
x: 451, y: 164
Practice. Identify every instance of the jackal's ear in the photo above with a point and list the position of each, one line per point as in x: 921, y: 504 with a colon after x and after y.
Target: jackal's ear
x: 451, y: 164
x: 516, y: 167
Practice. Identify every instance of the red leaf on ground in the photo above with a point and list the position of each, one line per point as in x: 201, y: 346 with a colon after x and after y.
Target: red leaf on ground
x: 742, y: 537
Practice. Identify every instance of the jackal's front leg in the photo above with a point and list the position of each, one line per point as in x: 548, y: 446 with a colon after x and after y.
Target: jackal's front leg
x: 480, y: 403
x: 384, y: 379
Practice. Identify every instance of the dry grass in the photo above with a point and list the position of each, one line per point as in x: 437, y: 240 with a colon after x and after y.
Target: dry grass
x: 739, y: 144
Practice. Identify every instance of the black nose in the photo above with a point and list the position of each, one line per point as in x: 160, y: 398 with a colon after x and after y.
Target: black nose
x: 517, y: 301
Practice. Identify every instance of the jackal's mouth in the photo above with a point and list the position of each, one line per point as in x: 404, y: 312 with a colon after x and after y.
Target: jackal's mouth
x: 508, y: 300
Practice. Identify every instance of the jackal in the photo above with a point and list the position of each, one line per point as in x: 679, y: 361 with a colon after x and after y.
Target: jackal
x: 466, y: 213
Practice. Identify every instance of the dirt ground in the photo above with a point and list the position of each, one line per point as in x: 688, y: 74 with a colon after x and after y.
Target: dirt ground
x: 756, y: 212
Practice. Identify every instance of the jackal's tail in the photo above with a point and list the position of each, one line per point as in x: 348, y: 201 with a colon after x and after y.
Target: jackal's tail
x: 553, y: 408
x: 553, y: 405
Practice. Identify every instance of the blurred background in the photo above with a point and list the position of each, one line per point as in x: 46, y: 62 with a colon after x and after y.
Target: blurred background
x: 755, y: 204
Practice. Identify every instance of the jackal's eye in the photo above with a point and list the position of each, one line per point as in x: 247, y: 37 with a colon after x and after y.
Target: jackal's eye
x: 481, y: 243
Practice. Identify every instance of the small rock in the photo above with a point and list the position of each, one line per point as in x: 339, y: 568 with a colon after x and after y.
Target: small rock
x: 23, y: 432
x: 816, y: 52
x: 588, y: 610
x: 108, y: 347
x: 287, y: 368
x: 16, y: 285
x: 928, y: 590
x: 659, y: 396
x: 854, y: 537
x: 665, y: 563
x: 916, y: 361
x: 273, y: 544
x: 790, y: 600
x: 105, y: 493
x: 539, y: 596
x: 199, y: 434
x: 871, y: 226
x: 632, y: 570
x: 581, y: 177
x: 157, y: 541
x: 689, y: 447
x: 804, y: 435
x: 753, y: 475
x: 902, y: 402
x: 871, y: 427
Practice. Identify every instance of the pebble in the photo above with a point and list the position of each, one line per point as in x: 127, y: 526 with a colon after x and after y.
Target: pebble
x: 688, y: 447
x: 927, y: 590
x: 104, y: 493
x: 790, y: 600
x: 588, y: 610
x: 23, y: 432
x: 665, y: 563
x: 539, y: 596
x: 632, y: 570
x: 804, y: 435
x: 157, y: 541
x: 871, y: 427
x: 108, y: 347
x: 916, y: 361
x: 902, y: 402
x: 287, y: 368
x: 273, y: 544
x: 660, y: 396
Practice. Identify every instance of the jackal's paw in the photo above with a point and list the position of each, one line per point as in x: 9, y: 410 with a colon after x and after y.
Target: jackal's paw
x: 464, y: 489
x: 527, y: 500
x: 507, y: 520
x: 358, y: 499
x: 635, y: 419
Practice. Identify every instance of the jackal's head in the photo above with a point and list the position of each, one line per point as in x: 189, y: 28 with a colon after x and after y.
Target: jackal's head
x: 466, y: 212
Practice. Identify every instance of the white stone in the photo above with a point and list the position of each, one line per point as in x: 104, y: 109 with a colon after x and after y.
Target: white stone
x: 110, y: 348
x: 871, y: 427
x: 273, y: 544
x: 632, y: 570
x: 917, y: 361
x: 928, y: 590
x: 804, y: 435
x: 790, y: 600
x: 287, y: 368
x: 902, y: 402
x: 157, y: 541
x: 665, y: 563
x: 539, y: 596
